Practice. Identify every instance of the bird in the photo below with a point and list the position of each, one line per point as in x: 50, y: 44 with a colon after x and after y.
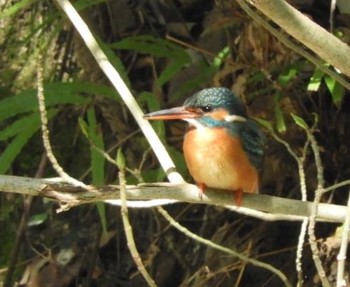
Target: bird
x: 223, y: 147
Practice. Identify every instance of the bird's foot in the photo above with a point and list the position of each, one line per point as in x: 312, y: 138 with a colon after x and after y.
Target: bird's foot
x: 202, y: 188
x: 238, y: 197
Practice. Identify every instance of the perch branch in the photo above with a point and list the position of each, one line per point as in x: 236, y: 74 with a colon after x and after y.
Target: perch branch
x: 262, y: 206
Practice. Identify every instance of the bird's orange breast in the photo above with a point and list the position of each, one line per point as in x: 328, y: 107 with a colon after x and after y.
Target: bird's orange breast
x: 217, y: 159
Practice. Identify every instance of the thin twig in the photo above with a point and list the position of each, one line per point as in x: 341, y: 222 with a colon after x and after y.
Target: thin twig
x: 303, y: 229
x: 336, y: 185
x: 211, y: 244
x: 15, y: 252
x: 45, y: 130
x: 341, y: 282
x: 318, y: 194
x: 303, y: 189
x: 129, y: 233
x: 21, y: 229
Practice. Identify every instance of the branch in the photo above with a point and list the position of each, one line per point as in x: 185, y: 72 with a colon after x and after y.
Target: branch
x: 341, y: 281
x: 303, y: 29
x: 44, y: 126
x: 263, y: 206
x: 314, y: 210
x: 128, y: 230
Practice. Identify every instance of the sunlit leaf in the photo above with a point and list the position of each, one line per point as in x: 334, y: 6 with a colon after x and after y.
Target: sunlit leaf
x: 83, y: 127
x: 37, y: 219
x: 337, y: 91
x: 299, y: 121
x: 120, y: 159
x: 315, y: 81
x: 287, y: 76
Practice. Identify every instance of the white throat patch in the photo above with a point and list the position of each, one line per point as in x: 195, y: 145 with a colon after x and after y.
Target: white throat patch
x: 195, y: 123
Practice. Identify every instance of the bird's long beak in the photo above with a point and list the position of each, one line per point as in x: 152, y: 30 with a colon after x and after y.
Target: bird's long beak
x: 178, y: 113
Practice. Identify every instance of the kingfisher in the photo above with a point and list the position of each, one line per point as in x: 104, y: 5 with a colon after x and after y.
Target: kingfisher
x: 223, y: 147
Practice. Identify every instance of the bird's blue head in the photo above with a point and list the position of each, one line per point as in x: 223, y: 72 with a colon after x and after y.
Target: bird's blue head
x: 210, y: 107
x: 214, y: 99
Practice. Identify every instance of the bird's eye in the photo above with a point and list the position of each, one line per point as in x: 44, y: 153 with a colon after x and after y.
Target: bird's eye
x: 206, y: 109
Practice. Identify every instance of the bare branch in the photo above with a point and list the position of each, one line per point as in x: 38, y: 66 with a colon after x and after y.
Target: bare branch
x: 341, y: 282
x: 45, y: 130
x: 262, y: 206
x: 314, y: 210
x: 129, y: 232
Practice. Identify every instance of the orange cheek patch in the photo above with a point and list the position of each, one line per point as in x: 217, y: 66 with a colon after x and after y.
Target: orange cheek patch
x: 218, y: 114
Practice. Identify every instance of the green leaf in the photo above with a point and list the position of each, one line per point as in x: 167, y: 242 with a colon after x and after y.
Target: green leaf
x: 97, y: 159
x: 197, y: 81
x: 21, y: 125
x: 159, y: 48
x: 337, y: 91
x: 287, y: 76
x: 315, y: 81
x: 153, y: 105
x: 150, y: 100
x: 266, y: 124
x: 299, y: 121
x: 115, y: 61
x: 155, y: 46
x: 37, y: 219
x: 84, y: 128
x: 55, y: 93
x: 120, y: 159
x: 16, y: 145
x: 15, y: 8
x: 169, y: 72
x: 221, y: 56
